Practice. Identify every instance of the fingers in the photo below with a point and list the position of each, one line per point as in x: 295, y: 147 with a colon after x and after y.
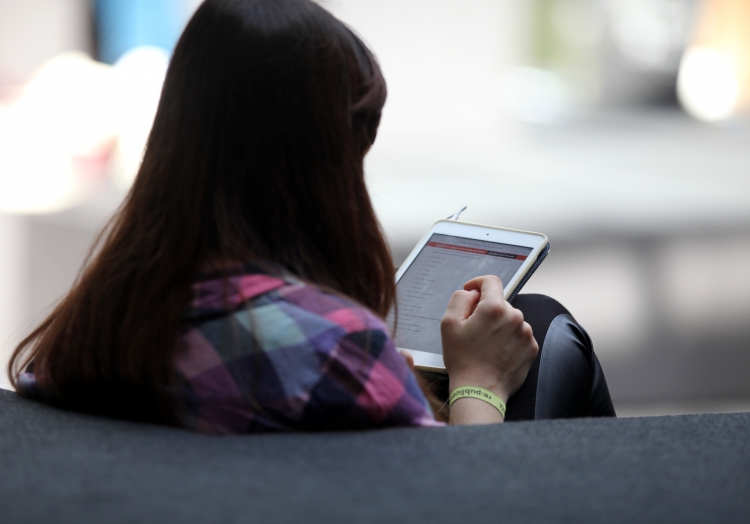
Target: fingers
x: 478, y: 283
x: 409, y: 358
x: 516, y: 317
x: 489, y: 287
x: 461, y: 304
x: 526, y: 337
x: 526, y: 330
x: 492, y: 301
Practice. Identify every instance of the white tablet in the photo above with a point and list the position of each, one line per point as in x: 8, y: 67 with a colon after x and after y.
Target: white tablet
x: 450, y: 254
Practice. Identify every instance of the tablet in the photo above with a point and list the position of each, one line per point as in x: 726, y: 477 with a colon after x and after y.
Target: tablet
x: 450, y: 254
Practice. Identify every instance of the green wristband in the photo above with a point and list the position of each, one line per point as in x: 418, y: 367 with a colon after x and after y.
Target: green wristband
x: 482, y: 394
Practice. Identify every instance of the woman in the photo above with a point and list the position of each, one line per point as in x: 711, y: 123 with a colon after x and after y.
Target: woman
x: 242, y: 285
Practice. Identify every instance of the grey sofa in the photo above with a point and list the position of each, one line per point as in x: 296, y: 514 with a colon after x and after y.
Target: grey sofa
x: 57, y: 466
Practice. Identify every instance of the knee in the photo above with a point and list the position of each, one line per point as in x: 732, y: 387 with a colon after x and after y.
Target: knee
x: 537, y: 305
x: 565, y: 371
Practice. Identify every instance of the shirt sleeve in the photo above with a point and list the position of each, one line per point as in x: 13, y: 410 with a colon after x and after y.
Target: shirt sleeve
x: 28, y: 386
x: 366, y: 383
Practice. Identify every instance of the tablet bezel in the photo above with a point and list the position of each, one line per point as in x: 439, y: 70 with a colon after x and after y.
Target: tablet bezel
x: 536, y: 241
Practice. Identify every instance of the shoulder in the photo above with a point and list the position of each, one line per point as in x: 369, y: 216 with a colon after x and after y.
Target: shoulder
x: 329, y: 308
x: 326, y: 361
x: 281, y: 313
x: 277, y: 298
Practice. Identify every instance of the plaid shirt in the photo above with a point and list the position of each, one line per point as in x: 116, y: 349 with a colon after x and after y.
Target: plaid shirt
x: 271, y: 353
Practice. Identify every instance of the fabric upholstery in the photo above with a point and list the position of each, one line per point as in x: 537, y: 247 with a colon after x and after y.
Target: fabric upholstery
x: 58, y: 466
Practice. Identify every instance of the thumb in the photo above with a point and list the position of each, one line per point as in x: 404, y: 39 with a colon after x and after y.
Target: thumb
x: 461, y: 304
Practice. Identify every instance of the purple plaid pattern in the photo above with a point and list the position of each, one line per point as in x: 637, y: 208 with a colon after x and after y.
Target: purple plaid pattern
x: 267, y: 353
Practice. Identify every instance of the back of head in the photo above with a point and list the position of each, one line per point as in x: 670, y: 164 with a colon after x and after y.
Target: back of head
x: 271, y: 105
x: 256, y: 153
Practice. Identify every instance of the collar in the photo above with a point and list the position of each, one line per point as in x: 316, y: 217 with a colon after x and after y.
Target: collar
x: 218, y: 293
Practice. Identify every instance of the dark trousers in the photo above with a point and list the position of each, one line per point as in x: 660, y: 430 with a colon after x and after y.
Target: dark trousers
x: 566, y: 379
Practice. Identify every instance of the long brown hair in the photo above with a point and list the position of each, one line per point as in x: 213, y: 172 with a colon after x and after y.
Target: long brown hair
x: 256, y: 153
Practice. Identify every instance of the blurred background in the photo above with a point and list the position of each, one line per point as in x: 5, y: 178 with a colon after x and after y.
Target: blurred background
x: 619, y: 128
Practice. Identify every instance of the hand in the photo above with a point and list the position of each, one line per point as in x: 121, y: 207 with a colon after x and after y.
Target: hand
x: 486, y: 343
x: 409, y: 358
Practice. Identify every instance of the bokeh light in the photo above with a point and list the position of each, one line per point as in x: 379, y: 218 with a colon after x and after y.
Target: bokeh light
x: 708, y: 86
x: 52, y: 135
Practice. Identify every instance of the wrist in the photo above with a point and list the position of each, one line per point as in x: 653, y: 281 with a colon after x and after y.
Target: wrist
x: 484, y: 395
x: 492, y: 384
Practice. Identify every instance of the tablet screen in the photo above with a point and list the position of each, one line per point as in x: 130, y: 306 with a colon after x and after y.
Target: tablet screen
x: 443, y: 266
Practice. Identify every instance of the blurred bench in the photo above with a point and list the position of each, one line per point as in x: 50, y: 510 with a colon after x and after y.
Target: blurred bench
x: 57, y: 466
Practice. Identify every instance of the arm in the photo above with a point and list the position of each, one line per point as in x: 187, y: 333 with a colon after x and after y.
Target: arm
x: 486, y: 344
x: 366, y: 383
